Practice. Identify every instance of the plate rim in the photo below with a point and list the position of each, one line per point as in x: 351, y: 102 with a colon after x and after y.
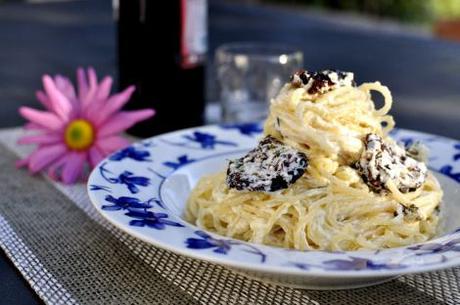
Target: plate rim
x: 273, y: 269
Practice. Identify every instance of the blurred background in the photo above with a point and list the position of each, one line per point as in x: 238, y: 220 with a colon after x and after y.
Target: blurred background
x: 412, y: 46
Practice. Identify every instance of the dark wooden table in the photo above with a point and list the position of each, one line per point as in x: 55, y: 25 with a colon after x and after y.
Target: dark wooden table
x: 423, y: 73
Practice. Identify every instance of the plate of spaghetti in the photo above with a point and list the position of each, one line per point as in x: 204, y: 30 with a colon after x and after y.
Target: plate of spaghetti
x: 325, y: 194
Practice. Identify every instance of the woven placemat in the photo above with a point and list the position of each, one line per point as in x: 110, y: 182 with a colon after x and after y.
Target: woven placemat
x: 70, y: 255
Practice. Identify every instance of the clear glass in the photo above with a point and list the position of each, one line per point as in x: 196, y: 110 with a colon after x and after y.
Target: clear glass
x: 250, y: 75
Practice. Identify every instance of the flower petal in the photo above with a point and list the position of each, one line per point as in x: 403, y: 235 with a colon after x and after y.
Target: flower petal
x: 59, y: 102
x: 73, y: 167
x: 22, y: 162
x: 87, y: 99
x: 42, y: 98
x: 95, y: 156
x: 32, y: 126
x: 112, y: 143
x: 123, y: 120
x: 95, y: 107
x: 103, y: 90
x: 43, y: 119
x: 41, y: 139
x: 55, y: 166
x: 92, y: 77
x: 45, y: 155
x: 82, y: 83
x: 64, y: 85
x: 114, y: 103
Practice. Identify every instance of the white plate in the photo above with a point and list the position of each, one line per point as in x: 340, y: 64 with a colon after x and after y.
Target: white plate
x: 143, y: 190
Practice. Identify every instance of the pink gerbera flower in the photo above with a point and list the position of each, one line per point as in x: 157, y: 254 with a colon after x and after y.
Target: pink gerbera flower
x: 77, y: 128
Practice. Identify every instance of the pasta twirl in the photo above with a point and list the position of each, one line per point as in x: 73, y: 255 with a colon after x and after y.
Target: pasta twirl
x: 330, y: 207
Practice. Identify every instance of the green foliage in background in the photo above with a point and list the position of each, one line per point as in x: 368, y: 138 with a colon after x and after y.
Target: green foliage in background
x: 404, y: 10
x: 445, y: 9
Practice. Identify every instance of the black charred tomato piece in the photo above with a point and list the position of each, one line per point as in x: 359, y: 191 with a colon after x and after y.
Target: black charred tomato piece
x: 320, y: 82
x: 270, y: 167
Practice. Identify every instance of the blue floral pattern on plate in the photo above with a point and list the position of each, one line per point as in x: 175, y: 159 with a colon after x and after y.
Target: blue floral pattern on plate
x: 181, y: 161
x: 127, y: 189
x: 151, y: 219
x: 127, y: 178
x: 448, y: 170
x: 350, y: 264
x: 248, y: 129
x: 222, y: 246
x: 432, y: 248
x: 457, y: 154
x: 124, y: 203
x: 200, y: 140
x: 131, y: 152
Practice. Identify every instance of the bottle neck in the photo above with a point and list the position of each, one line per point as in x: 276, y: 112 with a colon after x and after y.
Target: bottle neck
x: 193, y: 44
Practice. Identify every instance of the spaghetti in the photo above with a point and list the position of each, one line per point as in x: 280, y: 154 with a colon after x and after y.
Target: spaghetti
x: 332, y: 206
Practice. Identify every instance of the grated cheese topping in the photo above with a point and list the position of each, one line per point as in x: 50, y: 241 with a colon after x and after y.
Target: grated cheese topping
x: 270, y: 167
x: 382, y: 161
x: 320, y: 82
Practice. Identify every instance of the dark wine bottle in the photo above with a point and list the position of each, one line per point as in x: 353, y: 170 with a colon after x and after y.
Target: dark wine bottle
x: 161, y: 50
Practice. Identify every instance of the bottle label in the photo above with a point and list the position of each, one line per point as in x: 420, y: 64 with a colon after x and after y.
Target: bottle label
x: 194, y: 36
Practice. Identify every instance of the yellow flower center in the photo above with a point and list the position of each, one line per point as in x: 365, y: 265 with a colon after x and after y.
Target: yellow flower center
x: 79, y: 135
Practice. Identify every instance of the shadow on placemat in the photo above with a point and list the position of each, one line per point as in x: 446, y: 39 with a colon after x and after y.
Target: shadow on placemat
x: 393, y: 292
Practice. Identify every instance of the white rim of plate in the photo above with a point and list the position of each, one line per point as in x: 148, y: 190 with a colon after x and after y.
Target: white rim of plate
x: 266, y: 268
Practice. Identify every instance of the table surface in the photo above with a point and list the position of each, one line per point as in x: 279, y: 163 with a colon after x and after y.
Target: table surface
x: 422, y: 72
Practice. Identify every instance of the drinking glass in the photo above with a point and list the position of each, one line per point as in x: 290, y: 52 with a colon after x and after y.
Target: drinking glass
x: 250, y: 75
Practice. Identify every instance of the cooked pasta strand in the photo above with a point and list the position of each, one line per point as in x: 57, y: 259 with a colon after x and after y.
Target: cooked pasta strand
x: 329, y: 207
